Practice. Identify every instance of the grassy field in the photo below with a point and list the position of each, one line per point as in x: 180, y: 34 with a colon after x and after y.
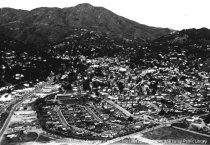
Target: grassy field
x: 129, y: 141
x: 43, y: 139
x: 170, y: 133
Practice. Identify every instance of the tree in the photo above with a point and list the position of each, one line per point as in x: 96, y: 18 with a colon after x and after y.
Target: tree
x: 162, y: 112
x: 120, y: 86
x: 86, y: 85
x: 207, y: 119
x: 130, y: 119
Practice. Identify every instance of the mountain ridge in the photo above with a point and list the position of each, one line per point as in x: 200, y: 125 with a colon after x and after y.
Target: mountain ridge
x: 45, y: 24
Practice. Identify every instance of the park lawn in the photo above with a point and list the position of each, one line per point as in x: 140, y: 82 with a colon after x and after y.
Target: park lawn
x: 166, y: 133
x: 43, y: 139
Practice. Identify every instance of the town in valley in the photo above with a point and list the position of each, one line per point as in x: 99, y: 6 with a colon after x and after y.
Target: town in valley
x: 92, y: 88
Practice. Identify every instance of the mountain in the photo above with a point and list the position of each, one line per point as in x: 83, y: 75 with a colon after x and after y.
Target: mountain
x: 44, y: 25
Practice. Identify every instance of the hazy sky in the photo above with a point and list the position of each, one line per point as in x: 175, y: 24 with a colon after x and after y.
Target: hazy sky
x: 175, y: 14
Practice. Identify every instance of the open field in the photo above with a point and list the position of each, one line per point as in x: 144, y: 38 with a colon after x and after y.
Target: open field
x: 171, y: 134
x: 129, y: 141
x: 43, y: 139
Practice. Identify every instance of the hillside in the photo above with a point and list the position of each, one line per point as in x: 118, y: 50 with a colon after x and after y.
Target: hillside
x: 187, y: 49
x: 43, y: 25
x: 21, y: 63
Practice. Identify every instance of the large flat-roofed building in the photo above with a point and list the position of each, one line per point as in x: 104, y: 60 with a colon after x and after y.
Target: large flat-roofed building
x: 25, y: 113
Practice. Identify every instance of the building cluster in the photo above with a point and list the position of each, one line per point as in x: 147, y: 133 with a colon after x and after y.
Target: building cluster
x: 166, y: 87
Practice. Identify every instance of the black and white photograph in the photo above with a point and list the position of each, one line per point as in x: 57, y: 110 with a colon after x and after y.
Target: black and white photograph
x: 104, y: 72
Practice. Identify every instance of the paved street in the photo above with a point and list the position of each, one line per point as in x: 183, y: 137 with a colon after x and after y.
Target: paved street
x: 127, y: 113
x: 93, y: 114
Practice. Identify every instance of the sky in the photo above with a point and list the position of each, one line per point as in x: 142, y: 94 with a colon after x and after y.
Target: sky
x: 174, y: 14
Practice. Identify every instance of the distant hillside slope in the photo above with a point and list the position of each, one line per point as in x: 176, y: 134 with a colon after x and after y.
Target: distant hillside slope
x: 187, y: 36
x: 195, y: 43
